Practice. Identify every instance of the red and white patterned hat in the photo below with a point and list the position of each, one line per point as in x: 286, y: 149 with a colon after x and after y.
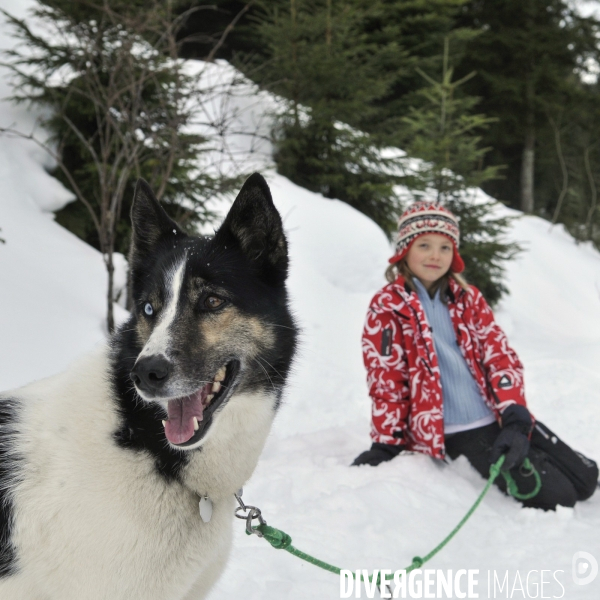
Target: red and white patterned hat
x: 427, y: 217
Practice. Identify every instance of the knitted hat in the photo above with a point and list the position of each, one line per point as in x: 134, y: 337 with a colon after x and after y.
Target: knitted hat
x: 427, y: 217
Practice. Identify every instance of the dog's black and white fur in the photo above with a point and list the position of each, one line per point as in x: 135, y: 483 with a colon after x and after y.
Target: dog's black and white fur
x: 99, y: 498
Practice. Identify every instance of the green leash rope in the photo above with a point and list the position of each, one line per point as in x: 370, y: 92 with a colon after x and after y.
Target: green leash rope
x: 283, y: 541
x: 513, y: 490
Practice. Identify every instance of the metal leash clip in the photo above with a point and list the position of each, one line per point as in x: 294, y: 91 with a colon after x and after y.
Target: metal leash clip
x: 253, y: 513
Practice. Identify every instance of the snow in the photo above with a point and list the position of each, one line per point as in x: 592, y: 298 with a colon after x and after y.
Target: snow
x: 53, y: 307
x: 54, y: 286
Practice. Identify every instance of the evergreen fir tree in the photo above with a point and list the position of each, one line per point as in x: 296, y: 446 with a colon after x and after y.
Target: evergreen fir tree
x: 418, y: 28
x: 330, y: 75
x: 527, y: 57
x: 442, y: 131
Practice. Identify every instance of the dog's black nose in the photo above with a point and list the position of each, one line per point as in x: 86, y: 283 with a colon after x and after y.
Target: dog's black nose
x: 151, y: 373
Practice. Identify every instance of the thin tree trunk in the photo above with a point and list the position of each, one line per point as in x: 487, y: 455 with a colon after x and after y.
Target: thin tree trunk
x: 528, y: 158
x: 527, y: 166
x: 295, y: 94
x: 328, y: 27
x: 110, y: 269
x: 589, y: 223
x: 563, y: 168
x: 442, y: 191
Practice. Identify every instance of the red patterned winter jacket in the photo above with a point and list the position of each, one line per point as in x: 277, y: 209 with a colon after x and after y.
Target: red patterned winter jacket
x: 402, y: 367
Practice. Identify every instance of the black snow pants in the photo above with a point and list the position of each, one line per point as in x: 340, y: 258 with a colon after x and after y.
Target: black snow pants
x: 567, y: 476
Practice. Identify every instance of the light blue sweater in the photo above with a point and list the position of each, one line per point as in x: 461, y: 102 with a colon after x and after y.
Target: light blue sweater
x: 463, y: 404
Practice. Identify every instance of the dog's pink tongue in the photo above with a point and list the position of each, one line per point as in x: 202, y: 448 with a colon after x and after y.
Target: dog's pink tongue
x: 179, y: 428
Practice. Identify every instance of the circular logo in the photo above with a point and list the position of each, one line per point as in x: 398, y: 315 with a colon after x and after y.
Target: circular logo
x: 585, y: 568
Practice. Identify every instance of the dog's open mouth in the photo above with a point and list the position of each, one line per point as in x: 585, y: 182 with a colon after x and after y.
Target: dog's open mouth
x: 190, y: 417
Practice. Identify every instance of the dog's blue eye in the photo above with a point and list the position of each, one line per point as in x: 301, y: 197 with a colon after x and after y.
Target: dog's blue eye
x: 148, y: 309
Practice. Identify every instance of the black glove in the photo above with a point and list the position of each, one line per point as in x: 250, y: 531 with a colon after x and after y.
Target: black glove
x: 377, y: 454
x: 513, y: 439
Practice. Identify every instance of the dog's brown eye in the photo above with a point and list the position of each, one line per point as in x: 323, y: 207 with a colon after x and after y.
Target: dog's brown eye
x: 213, y: 302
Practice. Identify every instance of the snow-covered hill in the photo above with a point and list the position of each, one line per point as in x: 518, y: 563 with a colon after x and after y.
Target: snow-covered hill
x: 52, y: 309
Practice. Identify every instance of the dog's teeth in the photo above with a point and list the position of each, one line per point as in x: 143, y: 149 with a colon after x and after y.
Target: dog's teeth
x: 209, y: 398
x: 164, y: 423
x: 216, y: 387
x: 220, y: 374
x: 196, y: 426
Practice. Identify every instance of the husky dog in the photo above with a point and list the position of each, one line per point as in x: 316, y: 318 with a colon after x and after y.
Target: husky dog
x: 102, y: 468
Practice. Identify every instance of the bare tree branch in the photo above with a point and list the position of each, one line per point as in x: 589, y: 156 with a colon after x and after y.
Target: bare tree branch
x: 228, y: 30
x: 123, y: 66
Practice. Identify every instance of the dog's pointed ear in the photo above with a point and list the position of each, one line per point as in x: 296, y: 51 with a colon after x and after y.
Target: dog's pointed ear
x: 255, y: 225
x: 149, y: 222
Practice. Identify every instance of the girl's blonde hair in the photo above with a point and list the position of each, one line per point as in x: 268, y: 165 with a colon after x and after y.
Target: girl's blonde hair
x: 400, y: 267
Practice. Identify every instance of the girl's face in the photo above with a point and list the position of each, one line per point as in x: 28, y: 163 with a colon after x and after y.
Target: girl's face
x: 430, y: 257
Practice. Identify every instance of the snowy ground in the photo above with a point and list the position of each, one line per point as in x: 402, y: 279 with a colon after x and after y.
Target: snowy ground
x: 381, y: 517
x: 52, y: 309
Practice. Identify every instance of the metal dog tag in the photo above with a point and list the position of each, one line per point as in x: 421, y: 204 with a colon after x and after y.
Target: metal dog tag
x: 205, y: 506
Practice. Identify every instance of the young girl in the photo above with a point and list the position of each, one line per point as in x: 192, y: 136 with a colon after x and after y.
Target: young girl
x: 443, y: 379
